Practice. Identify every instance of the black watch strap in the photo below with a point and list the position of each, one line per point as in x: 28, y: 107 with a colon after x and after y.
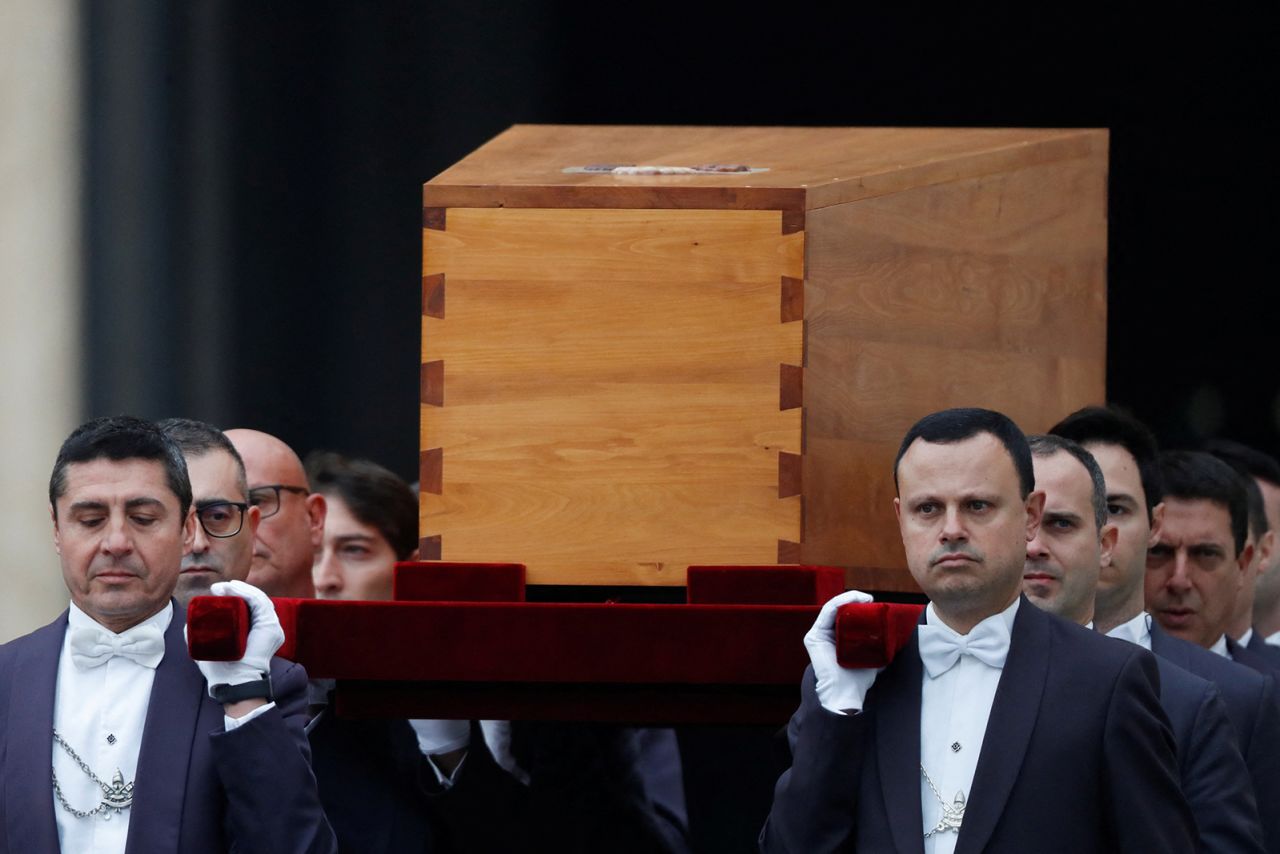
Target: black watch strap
x: 258, y: 689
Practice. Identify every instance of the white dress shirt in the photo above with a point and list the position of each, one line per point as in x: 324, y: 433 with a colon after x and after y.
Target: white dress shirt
x: 954, y: 708
x: 100, y: 712
x: 1244, y: 639
x: 1220, y: 647
x: 1137, y: 630
x: 497, y: 737
x: 1274, y: 640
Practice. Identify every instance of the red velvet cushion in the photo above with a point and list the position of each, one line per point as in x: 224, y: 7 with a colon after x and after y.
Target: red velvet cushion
x: 553, y: 642
x: 871, y: 634
x: 442, y: 581
x: 217, y: 628
x: 763, y: 585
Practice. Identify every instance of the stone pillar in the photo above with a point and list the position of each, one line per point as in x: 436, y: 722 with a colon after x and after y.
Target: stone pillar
x: 40, y: 284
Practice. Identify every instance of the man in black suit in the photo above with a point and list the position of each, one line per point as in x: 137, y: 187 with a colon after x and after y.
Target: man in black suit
x: 1197, y: 566
x: 207, y: 756
x: 1261, y: 477
x: 469, y: 786
x: 989, y: 692
x: 1063, y: 560
x: 1126, y: 452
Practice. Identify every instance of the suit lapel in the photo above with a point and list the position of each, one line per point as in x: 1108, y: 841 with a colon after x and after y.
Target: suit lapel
x: 1165, y: 647
x: 1013, y: 717
x: 28, y: 775
x: 898, y: 746
x: 177, y: 695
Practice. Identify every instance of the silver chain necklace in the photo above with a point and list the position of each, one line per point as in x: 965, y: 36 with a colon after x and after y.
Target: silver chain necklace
x: 952, y: 816
x: 116, y: 798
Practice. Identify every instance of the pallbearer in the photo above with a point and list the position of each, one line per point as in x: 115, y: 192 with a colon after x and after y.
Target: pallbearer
x: 111, y: 737
x: 998, y: 727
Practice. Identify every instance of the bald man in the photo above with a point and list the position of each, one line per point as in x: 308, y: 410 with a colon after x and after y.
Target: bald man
x: 291, y: 529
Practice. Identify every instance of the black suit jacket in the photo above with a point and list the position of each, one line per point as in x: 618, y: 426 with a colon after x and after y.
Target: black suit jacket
x: 369, y: 776
x: 1257, y: 643
x: 1215, y: 779
x: 1250, y: 700
x: 1258, y: 655
x: 586, y: 793
x: 199, y: 789
x: 1077, y: 757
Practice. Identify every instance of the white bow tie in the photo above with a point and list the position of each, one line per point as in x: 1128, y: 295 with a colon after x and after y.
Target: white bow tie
x: 941, y: 648
x: 93, y: 647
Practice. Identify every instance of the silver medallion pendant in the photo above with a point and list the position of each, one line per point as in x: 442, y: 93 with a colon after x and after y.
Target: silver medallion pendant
x: 952, y: 814
x: 119, y: 795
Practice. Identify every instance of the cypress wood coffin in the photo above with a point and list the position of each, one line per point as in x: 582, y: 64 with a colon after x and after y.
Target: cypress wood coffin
x: 626, y: 373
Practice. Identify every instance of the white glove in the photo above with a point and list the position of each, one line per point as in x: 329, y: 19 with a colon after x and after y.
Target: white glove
x: 265, y: 637
x: 839, y: 689
x: 437, y: 737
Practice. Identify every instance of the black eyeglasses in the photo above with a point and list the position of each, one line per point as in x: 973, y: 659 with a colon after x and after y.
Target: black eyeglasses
x: 267, y: 498
x: 222, y: 518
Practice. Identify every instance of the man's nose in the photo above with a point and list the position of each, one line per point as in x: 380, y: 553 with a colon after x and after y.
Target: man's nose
x: 1180, y: 578
x: 1036, y: 549
x: 953, y: 529
x: 326, y: 574
x: 201, y: 541
x: 116, y: 539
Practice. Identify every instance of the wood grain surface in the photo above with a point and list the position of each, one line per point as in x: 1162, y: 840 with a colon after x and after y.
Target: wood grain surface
x: 613, y: 382
x: 808, y: 168
x: 987, y: 292
x: 620, y: 357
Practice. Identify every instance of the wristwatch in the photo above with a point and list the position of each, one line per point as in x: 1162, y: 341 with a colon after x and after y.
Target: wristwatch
x: 259, y: 688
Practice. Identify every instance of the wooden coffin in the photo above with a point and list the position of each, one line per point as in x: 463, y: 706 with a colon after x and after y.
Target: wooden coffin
x: 625, y: 374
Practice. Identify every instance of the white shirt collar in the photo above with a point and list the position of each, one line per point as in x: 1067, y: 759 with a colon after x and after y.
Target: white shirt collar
x: 1244, y: 639
x: 1220, y: 647
x: 931, y: 618
x: 77, y: 619
x: 1136, y: 630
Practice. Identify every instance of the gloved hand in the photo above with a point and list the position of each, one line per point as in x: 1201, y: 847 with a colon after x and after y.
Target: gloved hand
x: 841, y: 690
x: 437, y: 737
x: 265, y: 637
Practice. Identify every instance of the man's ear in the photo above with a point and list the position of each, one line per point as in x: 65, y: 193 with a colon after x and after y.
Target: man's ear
x: 897, y: 509
x: 317, y: 508
x: 252, y: 517
x: 189, y: 530
x: 57, y: 543
x: 1108, y: 538
x: 1243, y: 559
x: 1035, y: 512
x: 1266, y: 552
x: 1157, y: 524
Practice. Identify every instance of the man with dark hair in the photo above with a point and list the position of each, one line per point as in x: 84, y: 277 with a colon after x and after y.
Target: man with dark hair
x: 371, y: 522
x: 200, y: 756
x: 1196, y: 566
x: 992, y: 705
x: 485, y: 785
x: 1126, y: 453
x: 1260, y: 596
x: 1074, y: 541
x: 292, y: 517
x: 222, y: 548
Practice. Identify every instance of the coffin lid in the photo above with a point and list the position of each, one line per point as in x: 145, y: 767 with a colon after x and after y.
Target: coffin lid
x: 807, y: 168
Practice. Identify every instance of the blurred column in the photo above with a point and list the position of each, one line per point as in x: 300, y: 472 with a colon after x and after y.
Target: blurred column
x: 40, y: 323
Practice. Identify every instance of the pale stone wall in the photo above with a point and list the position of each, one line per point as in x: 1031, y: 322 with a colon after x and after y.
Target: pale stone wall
x: 40, y: 286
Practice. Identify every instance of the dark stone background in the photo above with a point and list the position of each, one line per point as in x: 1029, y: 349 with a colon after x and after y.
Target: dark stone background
x: 254, y: 169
